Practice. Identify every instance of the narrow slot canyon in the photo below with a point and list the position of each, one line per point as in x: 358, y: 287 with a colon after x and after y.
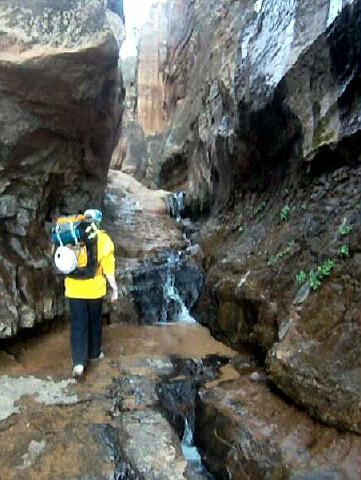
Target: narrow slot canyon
x: 221, y: 141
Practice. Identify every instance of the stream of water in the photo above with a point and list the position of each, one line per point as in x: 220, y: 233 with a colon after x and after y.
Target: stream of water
x: 171, y: 296
x: 192, y: 455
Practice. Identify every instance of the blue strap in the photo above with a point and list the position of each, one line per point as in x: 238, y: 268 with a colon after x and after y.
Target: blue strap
x: 73, y: 234
x: 58, y: 235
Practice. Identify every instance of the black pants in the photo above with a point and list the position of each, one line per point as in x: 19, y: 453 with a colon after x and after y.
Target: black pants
x: 86, y: 329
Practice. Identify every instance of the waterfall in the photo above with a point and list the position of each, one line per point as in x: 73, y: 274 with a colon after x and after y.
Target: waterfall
x: 176, y: 204
x: 189, y: 450
x: 173, y: 301
x: 192, y: 455
x: 167, y: 288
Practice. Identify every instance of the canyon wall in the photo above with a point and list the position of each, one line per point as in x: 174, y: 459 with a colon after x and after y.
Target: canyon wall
x: 150, y: 102
x: 264, y: 103
x: 61, y: 100
x: 144, y: 115
x: 152, y: 50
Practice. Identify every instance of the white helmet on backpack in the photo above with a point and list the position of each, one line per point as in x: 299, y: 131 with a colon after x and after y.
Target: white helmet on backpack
x: 65, y: 260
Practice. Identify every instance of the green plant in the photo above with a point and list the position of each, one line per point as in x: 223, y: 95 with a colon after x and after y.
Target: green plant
x: 344, y: 229
x: 301, y: 277
x: 304, y: 205
x: 314, y: 280
x: 326, y: 268
x: 344, y: 251
x: 274, y: 259
x: 316, y: 276
x: 285, y: 212
x: 241, y: 229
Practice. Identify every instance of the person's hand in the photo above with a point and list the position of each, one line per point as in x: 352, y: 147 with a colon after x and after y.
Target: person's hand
x: 114, y: 296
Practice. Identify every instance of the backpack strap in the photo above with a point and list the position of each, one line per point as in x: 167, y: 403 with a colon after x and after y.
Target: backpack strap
x: 91, y: 267
x: 73, y: 234
x: 58, y: 237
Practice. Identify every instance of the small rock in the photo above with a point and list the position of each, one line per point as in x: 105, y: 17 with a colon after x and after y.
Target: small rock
x: 256, y: 377
x: 302, y: 294
x: 8, y: 206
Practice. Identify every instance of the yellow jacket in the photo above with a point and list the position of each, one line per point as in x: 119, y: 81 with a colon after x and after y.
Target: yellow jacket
x: 96, y: 287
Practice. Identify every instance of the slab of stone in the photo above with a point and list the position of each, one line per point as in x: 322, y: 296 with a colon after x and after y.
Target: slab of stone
x: 49, y: 392
x: 317, y: 363
x: 108, y: 424
x: 246, y: 431
x: 151, y: 445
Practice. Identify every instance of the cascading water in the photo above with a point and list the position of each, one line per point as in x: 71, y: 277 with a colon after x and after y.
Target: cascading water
x: 190, y: 452
x: 177, y: 395
x: 166, y: 282
x: 173, y: 302
x: 176, y: 203
x: 192, y: 455
x: 166, y: 289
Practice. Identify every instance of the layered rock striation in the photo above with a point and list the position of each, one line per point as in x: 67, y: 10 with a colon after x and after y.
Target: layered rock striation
x: 60, y: 97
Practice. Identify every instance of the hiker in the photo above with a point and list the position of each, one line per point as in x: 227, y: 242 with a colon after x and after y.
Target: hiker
x: 85, y: 287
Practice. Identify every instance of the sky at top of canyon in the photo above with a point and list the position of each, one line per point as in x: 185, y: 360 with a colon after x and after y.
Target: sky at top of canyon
x: 136, y: 14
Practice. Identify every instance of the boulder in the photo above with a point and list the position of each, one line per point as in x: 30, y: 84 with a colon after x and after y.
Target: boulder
x: 60, y: 98
x: 244, y: 430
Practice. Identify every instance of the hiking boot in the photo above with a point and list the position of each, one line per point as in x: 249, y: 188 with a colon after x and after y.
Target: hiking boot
x: 100, y: 357
x: 78, y: 370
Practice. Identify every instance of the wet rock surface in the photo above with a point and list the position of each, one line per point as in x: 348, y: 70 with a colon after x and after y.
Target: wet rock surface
x: 60, y: 104
x: 308, y: 332
x: 130, y: 415
x: 166, y: 289
x: 154, y: 260
x: 269, y: 133
x: 245, y: 431
x: 110, y: 424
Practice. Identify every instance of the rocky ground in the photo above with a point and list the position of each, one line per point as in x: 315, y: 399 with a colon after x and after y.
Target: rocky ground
x: 111, y: 423
x: 125, y: 419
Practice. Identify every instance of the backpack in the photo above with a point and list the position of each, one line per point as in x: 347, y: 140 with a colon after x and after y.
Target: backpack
x: 70, y: 230
x: 78, y: 232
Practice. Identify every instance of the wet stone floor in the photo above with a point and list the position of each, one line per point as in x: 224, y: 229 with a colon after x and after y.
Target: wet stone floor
x: 124, y: 420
